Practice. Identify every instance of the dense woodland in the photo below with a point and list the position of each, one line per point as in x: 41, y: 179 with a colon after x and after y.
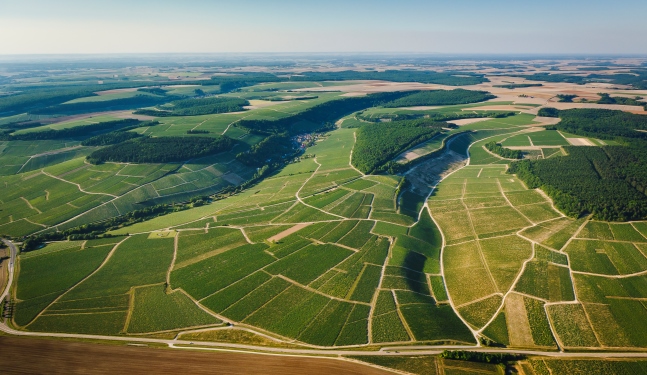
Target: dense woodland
x: 609, y: 182
x: 110, y: 138
x: 548, y: 112
x: 36, y: 97
x: 269, y: 151
x: 601, y: 123
x: 77, y: 131
x: 447, y: 78
x: 440, y: 97
x: 637, y: 78
x: 608, y: 99
x: 319, y: 117
x: 590, y: 180
x: 502, y: 151
x: 91, y: 106
x: 161, y: 149
x: 196, y: 107
x: 379, y: 143
x: 565, y: 98
x: 436, y: 116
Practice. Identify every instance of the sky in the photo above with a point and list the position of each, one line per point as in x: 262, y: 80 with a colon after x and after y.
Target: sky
x: 402, y: 26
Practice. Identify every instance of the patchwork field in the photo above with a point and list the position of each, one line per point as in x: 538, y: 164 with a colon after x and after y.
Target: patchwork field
x: 442, y: 247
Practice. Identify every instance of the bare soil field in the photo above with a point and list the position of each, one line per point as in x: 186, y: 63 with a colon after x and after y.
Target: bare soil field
x: 118, y: 114
x: 36, y: 356
x: 467, y: 121
x: 580, y: 142
x: 517, y: 321
x: 115, y: 91
x: 255, y: 104
x: 547, y: 120
x: 287, y: 232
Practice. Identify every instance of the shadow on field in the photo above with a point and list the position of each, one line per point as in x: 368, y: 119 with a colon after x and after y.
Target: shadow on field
x: 415, y: 263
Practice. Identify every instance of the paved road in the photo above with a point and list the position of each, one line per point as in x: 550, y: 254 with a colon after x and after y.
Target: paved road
x: 12, y: 259
x: 385, y: 351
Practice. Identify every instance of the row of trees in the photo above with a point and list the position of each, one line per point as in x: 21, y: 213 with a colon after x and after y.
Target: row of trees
x: 379, y: 143
x: 161, y: 149
x: 518, y: 85
x: 507, y: 153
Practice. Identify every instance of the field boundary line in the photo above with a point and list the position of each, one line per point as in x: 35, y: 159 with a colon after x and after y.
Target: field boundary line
x: 401, y: 317
x: 114, y: 249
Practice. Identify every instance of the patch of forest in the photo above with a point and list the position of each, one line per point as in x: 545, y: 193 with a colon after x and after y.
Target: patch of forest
x: 436, y: 116
x: 608, y: 99
x: 378, y: 143
x: 161, y: 149
x: 502, y: 151
x: 445, y: 78
x: 319, y: 117
x: 35, y: 97
x: 271, y: 150
x: 599, y: 123
x: 196, y: 107
x: 110, y: 138
x: 93, y: 106
x: 609, y: 182
x: 76, y: 131
x: 636, y: 78
x: 440, y: 97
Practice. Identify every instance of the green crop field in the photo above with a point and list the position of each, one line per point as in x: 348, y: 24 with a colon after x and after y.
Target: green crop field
x: 282, y: 237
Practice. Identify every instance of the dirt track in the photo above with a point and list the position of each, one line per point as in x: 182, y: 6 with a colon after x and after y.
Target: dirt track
x: 36, y: 356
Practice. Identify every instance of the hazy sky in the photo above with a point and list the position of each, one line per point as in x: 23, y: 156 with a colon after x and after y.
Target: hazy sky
x: 448, y: 26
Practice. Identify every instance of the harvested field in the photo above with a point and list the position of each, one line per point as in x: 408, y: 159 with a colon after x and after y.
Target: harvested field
x: 580, y: 142
x: 467, y: 121
x: 288, y: 232
x: 517, y: 321
x: 35, y: 356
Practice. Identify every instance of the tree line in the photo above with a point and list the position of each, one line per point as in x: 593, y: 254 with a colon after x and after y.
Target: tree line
x: 507, y: 153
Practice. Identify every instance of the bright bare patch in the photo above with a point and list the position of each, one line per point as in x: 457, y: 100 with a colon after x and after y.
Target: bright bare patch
x: 164, y: 234
x: 517, y: 320
x: 467, y: 121
x: 580, y: 142
x: 287, y: 232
